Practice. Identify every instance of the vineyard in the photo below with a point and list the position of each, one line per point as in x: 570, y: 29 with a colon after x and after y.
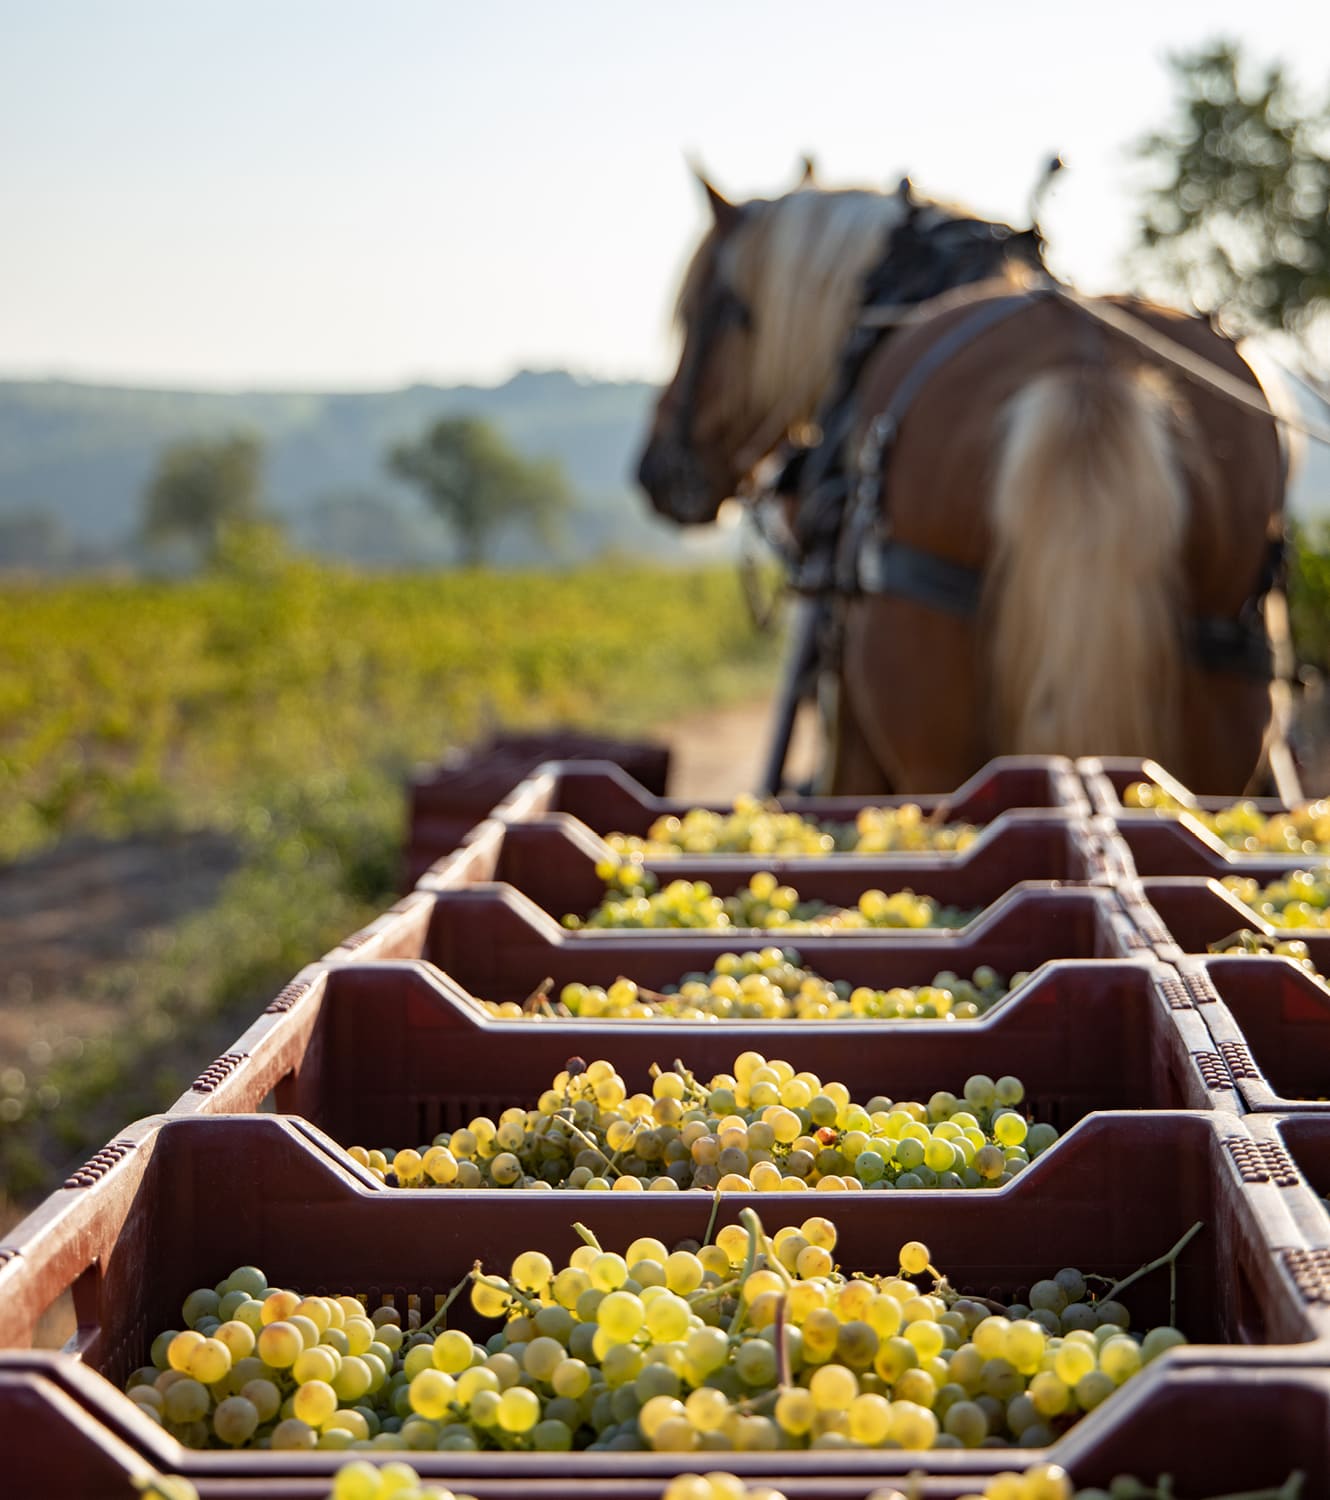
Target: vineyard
x: 269, y: 720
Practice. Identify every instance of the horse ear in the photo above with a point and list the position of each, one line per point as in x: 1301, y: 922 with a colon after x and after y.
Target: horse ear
x: 723, y: 212
x: 808, y: 172
x: 905, y: 190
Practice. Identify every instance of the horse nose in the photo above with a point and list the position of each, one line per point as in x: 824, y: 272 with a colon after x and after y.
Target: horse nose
x: 652, y: 469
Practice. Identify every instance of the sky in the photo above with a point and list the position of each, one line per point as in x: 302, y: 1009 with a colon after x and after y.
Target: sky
x: 334, y: 194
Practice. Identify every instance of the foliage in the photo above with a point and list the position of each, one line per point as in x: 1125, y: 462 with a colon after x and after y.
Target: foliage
x: 479, y: 485
x: 1238, y: 220
x: 286, y: 713
x: 203, y: 489
x: 1309, y: 594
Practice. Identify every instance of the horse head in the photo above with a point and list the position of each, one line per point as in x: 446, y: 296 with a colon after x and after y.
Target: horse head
x: 767, y: 305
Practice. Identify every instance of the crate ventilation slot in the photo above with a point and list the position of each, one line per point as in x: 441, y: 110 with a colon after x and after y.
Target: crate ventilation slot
x: 1202, y: 991
x: 99, y: 1165
x: 1310, y: 1270
x: 288, y: 997
x: 1213, y: 1071
x: 357, y: 939
x: 1175, y: 992
x: 1249, y: 1159
x: 215, y: 1072
x: 1239, y: 1060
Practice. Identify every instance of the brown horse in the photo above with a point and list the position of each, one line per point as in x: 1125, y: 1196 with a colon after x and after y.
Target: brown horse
x: 1054, y: 542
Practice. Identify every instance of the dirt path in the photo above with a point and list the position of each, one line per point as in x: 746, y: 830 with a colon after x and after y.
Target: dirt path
x: 718, y: 754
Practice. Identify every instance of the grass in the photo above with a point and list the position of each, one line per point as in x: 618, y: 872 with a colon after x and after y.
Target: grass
x: 285, y: 708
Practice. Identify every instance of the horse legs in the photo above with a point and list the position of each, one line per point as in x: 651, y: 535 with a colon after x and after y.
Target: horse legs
x: 910, y: 684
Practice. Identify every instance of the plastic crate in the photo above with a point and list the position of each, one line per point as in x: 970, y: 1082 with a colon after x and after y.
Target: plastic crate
x: 446, y: 801
x: 1173, y: 843
x: 608, y: 800
x: 500, y: 945
x: 1270, y: 1020
x: 1294, y: 1152
x: 398, y: 1052
x: 553, y: 860
x: 59, y: 1447
x: 142, y: 1226
x: 1188, y: 915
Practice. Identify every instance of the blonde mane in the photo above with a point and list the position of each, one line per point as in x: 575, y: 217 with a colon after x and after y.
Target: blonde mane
x: 798, y: 262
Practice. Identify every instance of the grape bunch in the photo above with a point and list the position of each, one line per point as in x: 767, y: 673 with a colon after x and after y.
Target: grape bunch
x: 395, y: 1480
x: 1257, y: 944
x: 756, y: 827
x: 1304, y: 829
x: 762, y: 1128
x: 767, y: 984
x: 750, y: 1343
x: 1041, y: 1482
x: 632, y: 899
x: 1300, y: 899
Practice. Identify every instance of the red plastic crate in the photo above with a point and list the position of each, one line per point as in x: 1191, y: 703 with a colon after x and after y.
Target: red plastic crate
x: 397, y: 1052
x: 1270, y: 1020
x: 608, y: 800
x: 446, y: 801
x: 1294, y: 1152
x: 1187, y: 915
x: 500, y: 945
x: 141, y: 1229
x: 553, y: 860
x: 1171, y: 843
x: 59, y: 1447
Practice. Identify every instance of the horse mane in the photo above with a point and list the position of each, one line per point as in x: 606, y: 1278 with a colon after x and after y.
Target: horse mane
x: 799, y: 263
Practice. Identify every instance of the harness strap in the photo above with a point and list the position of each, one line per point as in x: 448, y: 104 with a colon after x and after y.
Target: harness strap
x: 865, y: 515
x: 1216, y: 643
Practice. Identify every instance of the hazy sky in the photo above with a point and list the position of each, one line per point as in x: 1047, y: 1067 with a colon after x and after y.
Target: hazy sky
x: 339, y: 193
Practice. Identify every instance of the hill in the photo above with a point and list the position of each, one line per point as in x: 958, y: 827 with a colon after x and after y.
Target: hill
x: 81, y: 454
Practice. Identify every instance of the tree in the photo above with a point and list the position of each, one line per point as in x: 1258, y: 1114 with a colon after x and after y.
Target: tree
x: 1238, y: 221
x: 204, y: 488
x: 478, y: 484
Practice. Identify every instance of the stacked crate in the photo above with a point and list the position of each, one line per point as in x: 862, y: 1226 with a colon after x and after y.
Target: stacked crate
x: 1186, y: 1087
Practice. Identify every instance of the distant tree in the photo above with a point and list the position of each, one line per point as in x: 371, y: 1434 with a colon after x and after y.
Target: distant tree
x: 204, y: 488
x: 34, y: 539
x: 1238, y: 220
x: 479, y: 485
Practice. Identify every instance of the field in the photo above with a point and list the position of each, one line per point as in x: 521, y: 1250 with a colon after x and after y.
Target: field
x: 226, y: 757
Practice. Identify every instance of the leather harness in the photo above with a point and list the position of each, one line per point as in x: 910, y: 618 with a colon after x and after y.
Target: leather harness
x: 842, y: 542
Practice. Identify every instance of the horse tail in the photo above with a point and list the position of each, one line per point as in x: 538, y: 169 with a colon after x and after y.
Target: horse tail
x: 1088, y: 512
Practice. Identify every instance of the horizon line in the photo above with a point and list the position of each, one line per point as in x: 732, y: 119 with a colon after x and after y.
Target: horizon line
x: 204, y: 387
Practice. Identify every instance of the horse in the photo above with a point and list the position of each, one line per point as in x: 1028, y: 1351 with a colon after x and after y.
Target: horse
x: 1057, y: 521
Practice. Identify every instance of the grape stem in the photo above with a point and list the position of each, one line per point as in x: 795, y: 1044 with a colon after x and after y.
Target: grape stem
x: 449, y: 1300
x: 498, y: 1284
x: 753, y: 1225
x: 711, y: 1222
x: 539, y: 998
x: 588, y: 1238
x: 576, y: 1129
x: 784, y: 1372
x: 1168, y: 1259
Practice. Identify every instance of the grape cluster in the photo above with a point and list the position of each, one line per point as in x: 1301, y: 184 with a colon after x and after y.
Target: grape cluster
x: 1304, y: 829
x: 756, y: 827
x: 1040, y: 1482
x: 362, y: 1480
x: 746, y: 1343
x: 1257, y: 944
x: 768, y: 984
x: 762, y: 1128
x: 633, y: 899
x: 1300, y: 899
